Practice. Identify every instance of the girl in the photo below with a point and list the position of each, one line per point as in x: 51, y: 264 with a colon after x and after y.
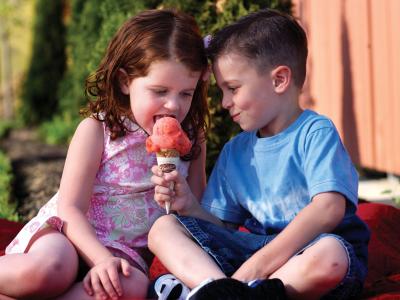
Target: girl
x: 155, y: 66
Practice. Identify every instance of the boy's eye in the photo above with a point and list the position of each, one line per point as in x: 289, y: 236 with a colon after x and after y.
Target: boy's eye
x: 232, y: 89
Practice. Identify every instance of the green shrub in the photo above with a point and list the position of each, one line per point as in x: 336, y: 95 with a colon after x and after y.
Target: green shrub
x: 7, y: 209
x: 47, y: 64
x: 59, y: 130
x: 5, y: 127
x: 92, y: 24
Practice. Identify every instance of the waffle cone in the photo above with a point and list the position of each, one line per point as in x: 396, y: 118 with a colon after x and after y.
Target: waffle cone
x: 167, y: 160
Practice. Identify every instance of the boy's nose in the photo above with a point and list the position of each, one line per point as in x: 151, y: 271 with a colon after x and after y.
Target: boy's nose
x: 226, y: 102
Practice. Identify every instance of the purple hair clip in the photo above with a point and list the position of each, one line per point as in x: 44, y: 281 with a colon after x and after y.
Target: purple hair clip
x: 207, y: 40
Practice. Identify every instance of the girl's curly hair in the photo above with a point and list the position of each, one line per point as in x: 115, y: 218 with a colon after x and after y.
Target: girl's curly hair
x: 152, y: 35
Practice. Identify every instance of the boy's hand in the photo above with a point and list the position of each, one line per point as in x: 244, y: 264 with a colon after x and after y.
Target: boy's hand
x: 180, y: 197
x: 102, y: 280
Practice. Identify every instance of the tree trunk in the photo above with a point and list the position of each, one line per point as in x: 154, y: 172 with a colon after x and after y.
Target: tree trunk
x: 6, y: 72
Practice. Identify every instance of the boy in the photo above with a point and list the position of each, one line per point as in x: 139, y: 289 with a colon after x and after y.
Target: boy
x: 287, y: 178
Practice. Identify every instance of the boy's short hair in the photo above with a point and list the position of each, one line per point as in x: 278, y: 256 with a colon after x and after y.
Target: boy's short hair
x: 269, y: 38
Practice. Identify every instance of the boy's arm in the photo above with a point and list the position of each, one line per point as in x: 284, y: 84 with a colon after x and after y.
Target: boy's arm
x: 323, y: 214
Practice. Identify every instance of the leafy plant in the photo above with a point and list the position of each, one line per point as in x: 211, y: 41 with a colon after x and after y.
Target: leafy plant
x: 59, y: 130
x: 7, y: 209
x: 93, y: 22
x: 39, y: 90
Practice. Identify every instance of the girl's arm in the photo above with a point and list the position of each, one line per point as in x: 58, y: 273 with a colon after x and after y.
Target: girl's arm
x: 323, y: 214
x: 81, y: 165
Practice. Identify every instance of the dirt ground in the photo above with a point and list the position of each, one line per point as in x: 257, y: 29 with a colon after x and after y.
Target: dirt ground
x: 37, y: 169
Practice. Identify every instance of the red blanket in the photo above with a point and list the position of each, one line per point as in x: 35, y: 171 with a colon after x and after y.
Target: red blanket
x: 383, y: 281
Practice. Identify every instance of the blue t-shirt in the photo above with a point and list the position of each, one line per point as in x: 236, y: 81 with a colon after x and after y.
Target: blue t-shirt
x: 264, y: 183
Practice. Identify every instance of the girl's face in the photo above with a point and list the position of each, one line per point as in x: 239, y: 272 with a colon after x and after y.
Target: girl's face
x: 167, y: 90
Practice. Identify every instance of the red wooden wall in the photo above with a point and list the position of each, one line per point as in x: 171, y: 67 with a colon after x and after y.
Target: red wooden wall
x: 354, y: 74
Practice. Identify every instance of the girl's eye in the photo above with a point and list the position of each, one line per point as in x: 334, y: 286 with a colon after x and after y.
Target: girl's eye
x: 187, y: 95
x: 160, y: 92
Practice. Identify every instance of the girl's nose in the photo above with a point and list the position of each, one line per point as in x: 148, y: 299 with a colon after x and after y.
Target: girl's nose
x: 172, y: 103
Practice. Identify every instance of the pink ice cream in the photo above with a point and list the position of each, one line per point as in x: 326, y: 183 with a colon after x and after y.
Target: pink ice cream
x: 167, y: 135
x: 169, y: 142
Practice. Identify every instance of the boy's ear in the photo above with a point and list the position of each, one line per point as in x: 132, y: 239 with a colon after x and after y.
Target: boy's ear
x: 281, y: 78
x: 123, y: 80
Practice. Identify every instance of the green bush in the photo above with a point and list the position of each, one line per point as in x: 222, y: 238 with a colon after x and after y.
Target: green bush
x: 92, y: 24
x: 7, y: 209
x: 59, y: 130
x: 47, y: 64
x: 5, y: 127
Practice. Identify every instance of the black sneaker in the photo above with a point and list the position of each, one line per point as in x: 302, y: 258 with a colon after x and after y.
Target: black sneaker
x: 232, y: 289
x: 269, y: 289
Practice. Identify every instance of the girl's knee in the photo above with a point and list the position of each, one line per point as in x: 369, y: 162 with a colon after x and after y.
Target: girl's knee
x: 135, y: 286
x: 50, y: 272
x: 60, y: 272
x: 326, y: 262
x: 45, y: 276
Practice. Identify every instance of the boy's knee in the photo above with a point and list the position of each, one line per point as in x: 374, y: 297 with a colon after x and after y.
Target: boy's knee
x: 326, y: 263
x: 163, y: 228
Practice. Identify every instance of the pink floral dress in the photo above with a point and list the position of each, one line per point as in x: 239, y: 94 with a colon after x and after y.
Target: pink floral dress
x: 122, y: 207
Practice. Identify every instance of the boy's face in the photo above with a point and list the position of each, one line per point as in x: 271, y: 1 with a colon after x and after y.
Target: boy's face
x: 249, y: 96
x: 167, y: 90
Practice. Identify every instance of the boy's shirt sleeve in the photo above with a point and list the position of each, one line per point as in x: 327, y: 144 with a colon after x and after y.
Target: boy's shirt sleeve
x: 327, y: 165
x: 219, y: 198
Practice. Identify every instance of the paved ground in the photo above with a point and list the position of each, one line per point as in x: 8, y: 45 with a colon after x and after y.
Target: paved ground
x: 383, y: 190
x: 37, y: 170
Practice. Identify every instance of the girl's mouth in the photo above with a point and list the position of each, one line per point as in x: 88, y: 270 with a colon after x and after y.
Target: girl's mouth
x: 157, y: 117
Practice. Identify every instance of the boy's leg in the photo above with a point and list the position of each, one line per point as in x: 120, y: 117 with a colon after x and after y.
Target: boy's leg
x: 182, y: 256
x: 319, y: 269
x: 134, y: 287
x: 47, y: 269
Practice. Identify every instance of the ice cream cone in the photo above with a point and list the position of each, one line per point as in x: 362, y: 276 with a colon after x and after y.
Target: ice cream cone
x: 169, y: 142
x: 167, y: 160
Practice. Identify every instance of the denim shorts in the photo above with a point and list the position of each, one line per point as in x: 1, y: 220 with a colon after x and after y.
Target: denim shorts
x: 231, y: 248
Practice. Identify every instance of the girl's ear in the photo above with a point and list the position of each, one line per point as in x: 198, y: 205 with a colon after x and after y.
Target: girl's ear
x: 281, y: 78
x: 123, y: 80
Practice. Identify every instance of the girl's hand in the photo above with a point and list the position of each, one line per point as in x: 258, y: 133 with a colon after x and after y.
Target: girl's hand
x: 180, y: 197
x: 102, y: 280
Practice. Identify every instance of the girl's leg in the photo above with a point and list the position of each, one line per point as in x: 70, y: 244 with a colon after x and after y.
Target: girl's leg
x: 316, y: 271
x: 2, y: 297
x: 47, y: 269
x: 134, y: 287
x: 181, y: 255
